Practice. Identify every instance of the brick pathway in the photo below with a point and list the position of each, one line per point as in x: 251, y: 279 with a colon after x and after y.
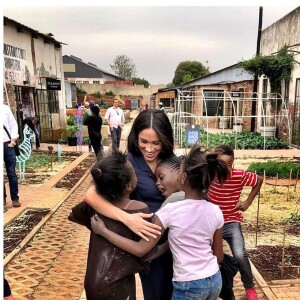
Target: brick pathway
x: 52, y: 266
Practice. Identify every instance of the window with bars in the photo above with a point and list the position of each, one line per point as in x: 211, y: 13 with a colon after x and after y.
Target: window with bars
x: 214, y: 100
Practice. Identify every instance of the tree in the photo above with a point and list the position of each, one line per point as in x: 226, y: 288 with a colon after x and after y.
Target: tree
x: 189, y: 70
x: 124, y: 67
x: 141, y: 81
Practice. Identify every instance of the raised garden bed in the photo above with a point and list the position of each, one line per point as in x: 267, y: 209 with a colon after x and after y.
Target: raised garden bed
x: 20, y: 227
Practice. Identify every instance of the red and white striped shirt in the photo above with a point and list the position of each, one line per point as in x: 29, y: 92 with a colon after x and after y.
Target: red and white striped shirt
x: 226, y: 196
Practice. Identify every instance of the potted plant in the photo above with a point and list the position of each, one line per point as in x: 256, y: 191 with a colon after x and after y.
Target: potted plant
x: 72, y: 128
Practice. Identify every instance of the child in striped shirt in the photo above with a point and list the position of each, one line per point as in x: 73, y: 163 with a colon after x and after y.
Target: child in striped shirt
x: 227, y: 197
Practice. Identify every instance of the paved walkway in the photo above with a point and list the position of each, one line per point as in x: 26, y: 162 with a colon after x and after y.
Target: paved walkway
x: 52, y: 261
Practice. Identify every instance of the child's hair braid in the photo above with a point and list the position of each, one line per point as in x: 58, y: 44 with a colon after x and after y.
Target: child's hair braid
x: 201, y: 167
x: 111, y: 175
x: 173, y: 162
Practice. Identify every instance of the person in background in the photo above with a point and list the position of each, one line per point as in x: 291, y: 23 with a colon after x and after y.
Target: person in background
x: 227, y: 197
x: 94, y: 124
x: 32, y: 123
x: 161, y: 106
x: 10, y: 136
x: 146, y: 107
x: 87, y: 113
x: 115, y: 118
x: 150, y: 141
x: 195, y: 230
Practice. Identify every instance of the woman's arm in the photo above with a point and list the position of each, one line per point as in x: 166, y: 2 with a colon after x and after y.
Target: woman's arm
x: 136, y: 248
x: 217, y: 245
x: 134, y: 222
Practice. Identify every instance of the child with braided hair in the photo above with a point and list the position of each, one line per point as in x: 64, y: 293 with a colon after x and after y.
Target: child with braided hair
x: 110, y: 272
x: 195, y: 229
x: 166, y: 174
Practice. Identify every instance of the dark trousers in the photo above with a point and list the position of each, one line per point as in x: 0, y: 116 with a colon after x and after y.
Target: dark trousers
x: 232, y: 234
x: 157, y: 284
x: 116, y: 136
x: 10, y: 166
x: 37, y: 137
x: 96, y: 144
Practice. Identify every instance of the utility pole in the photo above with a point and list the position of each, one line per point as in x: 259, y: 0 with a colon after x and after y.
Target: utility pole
x: 255, y: 84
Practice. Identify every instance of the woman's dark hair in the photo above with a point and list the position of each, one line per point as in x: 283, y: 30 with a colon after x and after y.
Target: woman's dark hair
x: 95, y: 110
x: 202, y: 166
x: 174, y: 162
x: 159, y: 121
x: 224, y: 150
x: 111, y: 175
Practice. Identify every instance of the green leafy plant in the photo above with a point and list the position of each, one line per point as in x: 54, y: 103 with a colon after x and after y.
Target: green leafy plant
x: 272, y: 168
x: 110, y: 93
x: 72, y: 126
x: 241, y: 140
x: 97, y: 95
x: 80, y: 91
x: 38, y: 160
x: 276, y: 67
x: 294, y: 218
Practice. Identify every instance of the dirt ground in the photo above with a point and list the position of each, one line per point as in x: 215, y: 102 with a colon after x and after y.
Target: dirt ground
x: 18, y: 229
x: 273, y: 244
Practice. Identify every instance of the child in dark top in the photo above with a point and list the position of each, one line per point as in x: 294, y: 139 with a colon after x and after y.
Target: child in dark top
x: 110, y: 270
x: 94, y: 123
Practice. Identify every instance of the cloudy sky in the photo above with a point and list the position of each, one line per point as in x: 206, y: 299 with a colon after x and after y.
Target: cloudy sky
x: 156, y: 38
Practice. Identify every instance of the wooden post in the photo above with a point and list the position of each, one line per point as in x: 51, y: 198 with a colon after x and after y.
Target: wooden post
x: 288, y: 191
x: 276, y: 182
x: 265, y: 185
x: 257, y: 215
x: 296, y: 180
x: 283, y: 249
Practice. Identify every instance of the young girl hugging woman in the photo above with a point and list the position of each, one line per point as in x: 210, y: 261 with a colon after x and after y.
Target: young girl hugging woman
x: 110, y: 270
x: 149, y: 142
x: 166, y: 179
x: 195, y: 230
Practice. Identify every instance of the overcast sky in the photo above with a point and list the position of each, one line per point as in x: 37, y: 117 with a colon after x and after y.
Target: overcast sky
x: 156, y: 38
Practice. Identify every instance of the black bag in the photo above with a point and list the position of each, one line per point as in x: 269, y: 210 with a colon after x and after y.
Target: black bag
x: 16, y: 147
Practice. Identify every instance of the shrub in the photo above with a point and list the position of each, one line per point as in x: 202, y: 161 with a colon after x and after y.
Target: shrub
x: 97, y: 95
x: 272, y: 168
x: 72, y: 126
x: 80, y: 91
x: 242, y: 140
x: 110, y: 93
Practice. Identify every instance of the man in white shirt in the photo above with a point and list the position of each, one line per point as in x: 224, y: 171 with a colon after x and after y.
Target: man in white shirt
x: 115, y: 119
x: 9, y: 141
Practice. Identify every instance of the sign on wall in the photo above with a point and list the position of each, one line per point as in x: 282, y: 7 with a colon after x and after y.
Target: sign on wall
x: 192, y: 134
x: 53, y: 84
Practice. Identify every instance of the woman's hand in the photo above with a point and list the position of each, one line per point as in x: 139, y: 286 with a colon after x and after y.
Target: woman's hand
x: 97, y: 225
x: 141, y: 227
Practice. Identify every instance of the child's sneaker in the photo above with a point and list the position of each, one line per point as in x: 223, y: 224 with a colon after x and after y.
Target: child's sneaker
x: 251, y: 294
